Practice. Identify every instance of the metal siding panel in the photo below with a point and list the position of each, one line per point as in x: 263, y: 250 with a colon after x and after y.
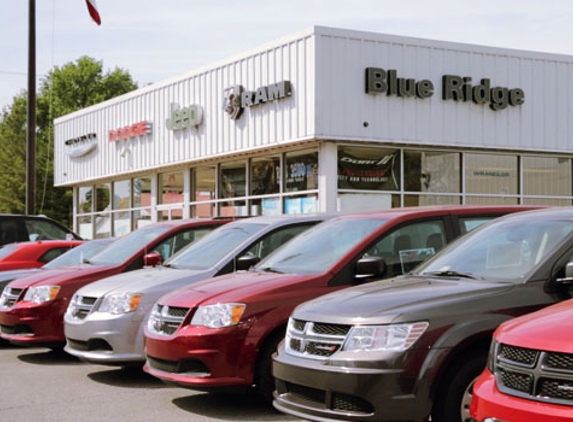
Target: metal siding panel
x: 540, y: 124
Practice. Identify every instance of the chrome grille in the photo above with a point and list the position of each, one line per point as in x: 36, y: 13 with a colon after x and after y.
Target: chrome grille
x: 9, y: 297
x: 535, y: 374
x: 81, y: 306
x: 166, y: 320
x: 314, y: 340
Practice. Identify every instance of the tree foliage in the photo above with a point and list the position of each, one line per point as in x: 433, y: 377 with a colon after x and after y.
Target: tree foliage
x: 64, y: 90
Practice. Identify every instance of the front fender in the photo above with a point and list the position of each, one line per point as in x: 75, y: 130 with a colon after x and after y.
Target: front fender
x: 466, y: 336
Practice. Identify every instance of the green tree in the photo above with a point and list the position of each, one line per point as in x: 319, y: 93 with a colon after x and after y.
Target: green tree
x: 64, y: 90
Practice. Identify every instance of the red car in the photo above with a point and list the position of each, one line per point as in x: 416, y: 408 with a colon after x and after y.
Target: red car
x: 32, y: 308
x: 16, y: 256
x: 222, y: 332
x: 529, y: 376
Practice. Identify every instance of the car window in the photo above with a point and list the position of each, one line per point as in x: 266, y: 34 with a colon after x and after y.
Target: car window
x: 39, y: 229
x: 469, y: 223
x: 79, y: 254
x: 505, y: 250
x: 53, y: 253
x: 212, y: 248
x: 274, y: 240
x: 9, y: 232
x: 126, y: 246
x: 406, y: 247
x: 320, y: 247
x: 177, y: 242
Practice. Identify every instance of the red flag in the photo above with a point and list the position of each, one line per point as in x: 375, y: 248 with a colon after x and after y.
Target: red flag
x: 92, y: 8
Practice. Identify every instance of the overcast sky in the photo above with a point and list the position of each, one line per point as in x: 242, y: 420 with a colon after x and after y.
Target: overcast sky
x: 156, y: 40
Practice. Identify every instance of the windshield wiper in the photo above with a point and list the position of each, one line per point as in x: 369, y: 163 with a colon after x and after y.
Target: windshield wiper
x: 270, y: 270
x: 450, y: 273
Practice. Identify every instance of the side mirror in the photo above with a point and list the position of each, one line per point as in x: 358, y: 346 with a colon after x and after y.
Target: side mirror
x: 370, y: 266
x: 152, y: 259
x: 247, y: 261
x: 568, y: 279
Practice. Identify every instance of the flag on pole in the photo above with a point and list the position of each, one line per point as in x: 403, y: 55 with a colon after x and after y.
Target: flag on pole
x: 92, y: 8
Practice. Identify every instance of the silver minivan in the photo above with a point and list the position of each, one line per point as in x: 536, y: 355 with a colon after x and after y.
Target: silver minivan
x: 105, y: 319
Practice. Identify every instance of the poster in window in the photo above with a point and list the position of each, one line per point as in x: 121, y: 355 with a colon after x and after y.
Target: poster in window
x: 232, y: 183
x: 301, y: 172
x: 378, y: 173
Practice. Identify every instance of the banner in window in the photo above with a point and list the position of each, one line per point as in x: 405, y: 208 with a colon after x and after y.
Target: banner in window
x: 381, y: 173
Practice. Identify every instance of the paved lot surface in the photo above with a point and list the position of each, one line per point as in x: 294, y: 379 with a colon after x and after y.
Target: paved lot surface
x: 40, y: 385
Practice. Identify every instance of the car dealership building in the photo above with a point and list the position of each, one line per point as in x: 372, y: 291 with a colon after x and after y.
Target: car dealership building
x: 325, y: 120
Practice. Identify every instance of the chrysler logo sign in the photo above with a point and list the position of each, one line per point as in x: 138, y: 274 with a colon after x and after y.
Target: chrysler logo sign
x: 82, y: 145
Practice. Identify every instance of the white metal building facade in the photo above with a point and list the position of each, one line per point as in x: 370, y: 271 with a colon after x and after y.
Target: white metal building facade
x: 325, y: 120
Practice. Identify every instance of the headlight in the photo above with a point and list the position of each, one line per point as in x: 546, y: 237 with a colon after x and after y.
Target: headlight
x: 41, y: 294
x: 121, y: 303
x: 375, y: 338
x: 219, y: 315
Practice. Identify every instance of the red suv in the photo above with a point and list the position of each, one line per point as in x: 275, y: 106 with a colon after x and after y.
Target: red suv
x: 222, y: 332
x: 32, y: 307
x: 529, y: 375
x: 23, y: 255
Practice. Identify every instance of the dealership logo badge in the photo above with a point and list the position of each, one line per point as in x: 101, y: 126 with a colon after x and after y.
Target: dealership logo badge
x: 236, y: 99
x: 182, y: 118
x: 82, y: 145
x: 232, y: 101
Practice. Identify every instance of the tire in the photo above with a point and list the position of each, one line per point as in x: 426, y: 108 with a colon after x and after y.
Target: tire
x: 264, y: 380
x: 453, y: 398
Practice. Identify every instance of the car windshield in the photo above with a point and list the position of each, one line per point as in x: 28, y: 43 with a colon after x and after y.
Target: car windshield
x: 503, y: 250
x: 319, y: 248
x: 78, y: 254
x: 213, y: 247
x: 126, y: 246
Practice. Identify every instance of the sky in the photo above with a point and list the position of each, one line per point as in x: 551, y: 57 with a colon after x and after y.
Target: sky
x: 156, y: 40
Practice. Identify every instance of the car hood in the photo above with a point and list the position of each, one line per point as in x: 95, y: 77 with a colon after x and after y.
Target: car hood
x: 62, y: 275
x: 146, y: 280
x: 546, y: 329
x: 10, y: 275
x: 385, y: 300
x: 235, y: 287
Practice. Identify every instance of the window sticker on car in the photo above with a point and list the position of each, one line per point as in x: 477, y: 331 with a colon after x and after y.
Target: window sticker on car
x: 409, y: 258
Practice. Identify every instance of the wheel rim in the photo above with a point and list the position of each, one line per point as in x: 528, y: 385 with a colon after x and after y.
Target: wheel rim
x: 466, y: 400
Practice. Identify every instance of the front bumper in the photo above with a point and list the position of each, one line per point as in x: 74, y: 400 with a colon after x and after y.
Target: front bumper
x: 202, y: 358
x: 313, y: 390
x: 31, y: 324
x: 105, y: 338
x: 489, y: 404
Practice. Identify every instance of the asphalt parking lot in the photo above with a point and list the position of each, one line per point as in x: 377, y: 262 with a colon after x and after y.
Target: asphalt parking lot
x: 38, y: 384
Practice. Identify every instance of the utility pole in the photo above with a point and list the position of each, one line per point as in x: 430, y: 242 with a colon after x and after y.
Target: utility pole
x: 31, y: 119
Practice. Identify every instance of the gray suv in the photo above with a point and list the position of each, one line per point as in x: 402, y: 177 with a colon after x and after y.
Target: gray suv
x: 23, y: 228
x: 105, y: 319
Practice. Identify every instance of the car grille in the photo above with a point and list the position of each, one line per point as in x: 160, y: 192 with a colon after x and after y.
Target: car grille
x: 184, y: 366
x: 81, y: 306
x: 535, y: 374
x: 9, y: 297
x: 313, y: 339
x: 166, y: 319
x: 322, y: 399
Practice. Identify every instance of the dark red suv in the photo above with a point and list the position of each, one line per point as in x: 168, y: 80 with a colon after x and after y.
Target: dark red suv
x: 32, y: 307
